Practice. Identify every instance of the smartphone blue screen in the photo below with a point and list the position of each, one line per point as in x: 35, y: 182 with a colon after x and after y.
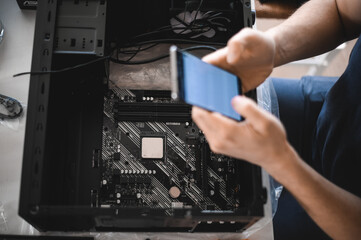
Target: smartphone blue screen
x: 209, y: 87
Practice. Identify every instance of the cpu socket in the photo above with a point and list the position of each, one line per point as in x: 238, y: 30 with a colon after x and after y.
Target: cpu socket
x: 152, y: 147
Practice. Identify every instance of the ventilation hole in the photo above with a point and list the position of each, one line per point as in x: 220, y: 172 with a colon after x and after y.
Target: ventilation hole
x: 127, y: 134
x: 41, y: 108
x: 76, y: 2
x: 36, y: 168
x: 177, y: 134
x: 56, y: 44
x: 34, y: 210
x: 39, y: 127
x: 42, y: 89
x: 72, y: 42
x: 44, y: 69
x: 49, y: 16
x: 47, y: 37
x: 100, y: 43
x: 46, y: 52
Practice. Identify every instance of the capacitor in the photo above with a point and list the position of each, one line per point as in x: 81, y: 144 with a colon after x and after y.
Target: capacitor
x: 104, y: 182
x: 118, y: 195
x: 139, y: 195
x: 174, y: 192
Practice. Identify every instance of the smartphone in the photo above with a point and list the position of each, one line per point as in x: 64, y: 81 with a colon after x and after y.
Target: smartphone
x: 202, y: 84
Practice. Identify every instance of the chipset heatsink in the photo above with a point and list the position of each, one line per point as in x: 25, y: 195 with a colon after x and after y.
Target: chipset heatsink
x: 152, y: 147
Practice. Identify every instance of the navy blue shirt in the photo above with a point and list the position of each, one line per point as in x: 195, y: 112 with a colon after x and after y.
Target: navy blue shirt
x: 323, y: 122
x: 337, y: 144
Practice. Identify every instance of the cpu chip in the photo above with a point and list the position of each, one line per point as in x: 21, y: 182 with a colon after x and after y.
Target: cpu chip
x: 152, y: 147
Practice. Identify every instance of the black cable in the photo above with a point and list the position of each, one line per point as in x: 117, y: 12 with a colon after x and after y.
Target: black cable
x: 198, y: 9
x: 134, y: 51
x: 192, y: 28
x: 161, y: 56
x: 134, y: 54
x: 198, y: 47
x: 64, y: 69
x: 139, y: 62
x: 171, y: 40
x: 153, y: 32
x: 171, y: 28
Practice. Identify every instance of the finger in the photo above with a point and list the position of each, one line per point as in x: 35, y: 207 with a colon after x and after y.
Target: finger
x: 257, y: 117
x: 218, y: 58
x: 202, y: 118
x: 209, y: 121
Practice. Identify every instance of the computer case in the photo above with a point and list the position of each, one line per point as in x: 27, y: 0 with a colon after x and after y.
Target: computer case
x: 85, y: 163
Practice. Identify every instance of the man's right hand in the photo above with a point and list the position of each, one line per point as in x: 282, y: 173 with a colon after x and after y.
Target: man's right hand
x: 249, y: 55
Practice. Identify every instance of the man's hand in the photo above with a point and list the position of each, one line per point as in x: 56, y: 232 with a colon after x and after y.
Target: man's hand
x: 249, y: 54
x: 260, y: 139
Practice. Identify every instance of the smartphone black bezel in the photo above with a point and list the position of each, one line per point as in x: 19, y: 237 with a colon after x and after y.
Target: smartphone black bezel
x: 178, y: 76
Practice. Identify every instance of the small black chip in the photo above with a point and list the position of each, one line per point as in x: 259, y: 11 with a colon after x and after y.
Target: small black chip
x: 116, y: 156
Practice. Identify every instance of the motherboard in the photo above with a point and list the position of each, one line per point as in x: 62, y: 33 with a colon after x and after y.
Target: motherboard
x: 154, y: 155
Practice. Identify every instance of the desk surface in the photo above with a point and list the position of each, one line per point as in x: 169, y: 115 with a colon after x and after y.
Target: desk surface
x: 15, y: 57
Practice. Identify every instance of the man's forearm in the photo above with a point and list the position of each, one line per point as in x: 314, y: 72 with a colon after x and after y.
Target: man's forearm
x: 313, y: 29
x: 335, y: 210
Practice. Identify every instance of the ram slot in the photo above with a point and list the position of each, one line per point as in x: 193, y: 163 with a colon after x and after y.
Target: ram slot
x: 151, y: 112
